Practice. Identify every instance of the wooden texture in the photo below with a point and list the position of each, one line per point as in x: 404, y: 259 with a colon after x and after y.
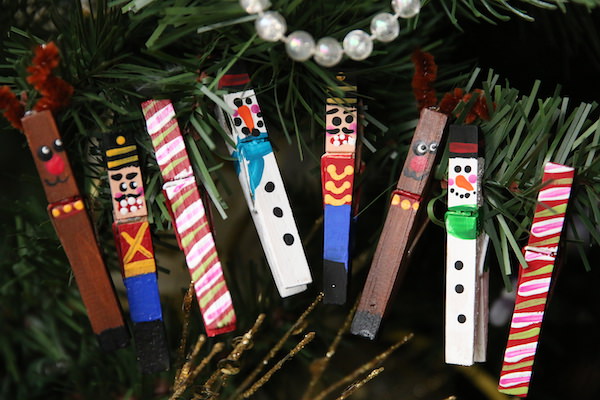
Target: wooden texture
x: 265, y: 194
x: 535, y: 280
x: 466, y: 282
x: 399, y: 224
x: 189, y: 218
x: 50, y: 157
x: 74, y: 230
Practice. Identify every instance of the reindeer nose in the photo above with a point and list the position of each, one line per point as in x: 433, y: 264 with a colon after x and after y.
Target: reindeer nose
x: 463, y: 183
x: 55, y: 165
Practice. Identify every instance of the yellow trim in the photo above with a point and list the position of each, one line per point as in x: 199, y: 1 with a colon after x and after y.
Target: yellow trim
x: 333, y: 188
x: 120, y: 150
x: 118, y: 163
x: 136, y: 244
x: 329, y: 199
x: 332, y: 171
x: 139, y: 267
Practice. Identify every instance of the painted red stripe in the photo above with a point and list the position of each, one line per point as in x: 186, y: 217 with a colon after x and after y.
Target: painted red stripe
x: 455, y: 147
x: 234, y: 80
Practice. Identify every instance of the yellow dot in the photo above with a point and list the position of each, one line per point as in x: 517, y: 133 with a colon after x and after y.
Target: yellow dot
x: 55, y: 212
x: 120, y: 140
x: 78, y: 205
x: 67, y: 208
x: 405, y: 204
x: 395, y: 200
x: 416, y: 205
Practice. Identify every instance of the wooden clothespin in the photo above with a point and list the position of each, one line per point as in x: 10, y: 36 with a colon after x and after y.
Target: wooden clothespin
x: 189, y: 217
x: 74, y: 229
x: 466, y: 281
x: 263, y: 187
x: 135, y: 251
x: 399, y: 224
x: 338, y: 166
x: 535, y: 279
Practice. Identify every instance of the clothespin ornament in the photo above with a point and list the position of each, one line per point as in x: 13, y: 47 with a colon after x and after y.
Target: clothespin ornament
x: 74, y: 229
x: 189, y: 217
x: 263, y: 187
x: 134, y: 248
x: 399, y: 226
x: 534, y: 280
x: 338, y: 166
x: 466, y: 281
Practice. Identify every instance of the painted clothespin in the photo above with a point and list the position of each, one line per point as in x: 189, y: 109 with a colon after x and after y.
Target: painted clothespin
x: 135, y: 251
x: 338, y: 166
x: 189, y: 217
x: 466, y: 281
x: 399, y: 226
x: 534, y: 279
x: 263, y: 187
x: 74, y: 229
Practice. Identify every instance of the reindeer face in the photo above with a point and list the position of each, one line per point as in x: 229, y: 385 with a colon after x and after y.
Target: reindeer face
x: 50, y: 157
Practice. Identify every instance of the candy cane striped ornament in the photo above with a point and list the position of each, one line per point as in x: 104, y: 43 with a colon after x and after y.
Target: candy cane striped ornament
x: 189, y: 217
x: 534, y: 281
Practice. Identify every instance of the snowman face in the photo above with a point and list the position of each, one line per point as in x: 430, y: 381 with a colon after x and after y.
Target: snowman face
x: 462, y: 181
x: 247, y: 118
x: 341, y: 125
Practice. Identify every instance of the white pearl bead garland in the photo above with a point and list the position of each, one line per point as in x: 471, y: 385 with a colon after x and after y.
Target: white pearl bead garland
x: 357, y: 45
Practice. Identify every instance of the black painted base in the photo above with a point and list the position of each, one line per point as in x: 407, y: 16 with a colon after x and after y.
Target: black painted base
x: 365, y: 324
x: 151, y: 347
x: 335, y: 282
x: 114, y: 338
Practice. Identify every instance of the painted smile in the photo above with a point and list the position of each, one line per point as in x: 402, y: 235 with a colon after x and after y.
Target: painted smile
x: 129, y: 203
x: 57, y: 181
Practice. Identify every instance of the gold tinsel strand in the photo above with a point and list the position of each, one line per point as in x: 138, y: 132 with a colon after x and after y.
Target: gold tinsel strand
x: 190, y: 377
x: 294, y: 329
x: 319, y: 366
x: 357, y: 385
x: 187, y: 309
x: 265, y: 378
x: 364, y: 368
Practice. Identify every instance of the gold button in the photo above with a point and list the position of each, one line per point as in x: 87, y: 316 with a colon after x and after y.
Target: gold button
x: 55, y: 212
x: 395, y: 200
x: 78, y: 205
x: 67, y: 208
x: 405, y: 204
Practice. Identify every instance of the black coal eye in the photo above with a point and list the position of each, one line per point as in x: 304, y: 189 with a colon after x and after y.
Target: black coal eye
x: 133, y: 185
x: 44, y: 153
x: 58, y: 145
x: 433, y: 147
x: 123, y: 186
x: 420, y: 148
x: 349, y: 119
x: 457, y: 169
x: 249, y: 100
x: 337, y: 121
x: 238, y: 102
x: 467, y: 169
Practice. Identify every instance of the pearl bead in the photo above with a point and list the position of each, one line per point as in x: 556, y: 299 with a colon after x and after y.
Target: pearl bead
x: 385, y: 27
x: 358, y: 45
x: 406, y: 8
x: 300, y: 45
x: 255, y: 6
x: 270, y: 26
x: 328, y: 52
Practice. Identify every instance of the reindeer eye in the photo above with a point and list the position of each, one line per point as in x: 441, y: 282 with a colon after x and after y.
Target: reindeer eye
x: 433, y: 147
x: 58, y: 145
x: 420, y: 148
x: 44, y: 153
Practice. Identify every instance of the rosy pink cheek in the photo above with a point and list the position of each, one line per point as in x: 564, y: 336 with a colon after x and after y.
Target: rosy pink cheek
x: 450, y: 182
x: 140, y: 190
x: 472, y: 178
x: 255, y: 108
x: 118, y: 194
x: 236, y: 113
x: 418, y: 163
x: 353, y: 127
